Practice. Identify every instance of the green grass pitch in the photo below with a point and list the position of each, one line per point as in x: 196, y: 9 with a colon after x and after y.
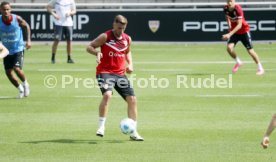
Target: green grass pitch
x: 187, y: 122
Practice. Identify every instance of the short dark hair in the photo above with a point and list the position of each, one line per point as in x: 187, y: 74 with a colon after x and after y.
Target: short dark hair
x: 120, y: 19
x: 4, y: 3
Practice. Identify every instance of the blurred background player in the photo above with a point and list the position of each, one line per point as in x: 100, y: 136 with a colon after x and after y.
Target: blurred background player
x: 64, y: 10
x: 3, y: 51
x: 269, y: 130
x: 115, y: 52
x: 239, y: 30
x: 12, y: 38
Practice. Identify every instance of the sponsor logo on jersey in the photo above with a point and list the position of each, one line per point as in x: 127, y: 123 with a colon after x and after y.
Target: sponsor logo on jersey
x: 112, y: 54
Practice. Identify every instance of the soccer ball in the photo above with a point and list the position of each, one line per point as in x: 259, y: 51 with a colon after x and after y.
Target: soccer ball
x: 127, y: 126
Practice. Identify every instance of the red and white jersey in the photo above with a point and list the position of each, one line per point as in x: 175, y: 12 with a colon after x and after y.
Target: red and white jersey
x: 234, y: 15
x: 114, y: 54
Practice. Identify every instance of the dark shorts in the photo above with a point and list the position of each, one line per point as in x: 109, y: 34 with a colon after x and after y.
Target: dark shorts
x: 119, y: 82
x: 15, y: 60
x: 66, y: 31
x: 244, y: 38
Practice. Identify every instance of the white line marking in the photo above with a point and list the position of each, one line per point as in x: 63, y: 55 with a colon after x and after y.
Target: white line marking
x: 186, y: 44
x: 245, y: 95
x: 85, y: 70
x: 188, y: 62
x: 256, y: 69
x: 64, y: 70
x: 163, y: 70
x: 93, y: 96
x: 7, y: 97
x: 270, y: 69
x: 88, y: 96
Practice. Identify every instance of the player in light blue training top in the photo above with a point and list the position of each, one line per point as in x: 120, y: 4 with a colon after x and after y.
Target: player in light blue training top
x: 12, y: 38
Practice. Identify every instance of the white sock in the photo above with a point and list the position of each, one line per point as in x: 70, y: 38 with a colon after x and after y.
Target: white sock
x: 20, y: 88
x: 260, y: 67
x: 25, y: 83
x: 102, y: 121
x: 238, y: 60
x: 135, y: 125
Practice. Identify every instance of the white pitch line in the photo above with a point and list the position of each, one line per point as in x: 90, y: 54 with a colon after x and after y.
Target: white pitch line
x: 64, y: 70
x: 87, y: 96
x: 61, y: 49
x: 7, y: 97
x: 163, y: 70
x: 86, y: 70
x: 189, y: 62
x: 270, y: 69
x: 245, y: 95
x: 255, y: 69
x: 196, y: 62
x: 93, y: 96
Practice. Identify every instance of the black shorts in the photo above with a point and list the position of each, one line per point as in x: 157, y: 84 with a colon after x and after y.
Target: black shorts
x: 66, y: 31
x: 119, y: 82
x: 244, y: 38
x: 15, y: 60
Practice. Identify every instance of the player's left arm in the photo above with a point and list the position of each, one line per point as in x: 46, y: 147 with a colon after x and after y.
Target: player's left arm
x: 27, y: 30
x: 129, y: 68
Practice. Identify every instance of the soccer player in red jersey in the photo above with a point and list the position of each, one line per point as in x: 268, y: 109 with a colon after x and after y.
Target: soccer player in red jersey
x: 112, y: 58
x: 239, y: 30
x: 269, y: 130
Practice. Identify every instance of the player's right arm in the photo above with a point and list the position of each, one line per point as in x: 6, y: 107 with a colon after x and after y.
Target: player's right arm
x: 97, y: 42
x: 3, y: 51
x: 228, y: 22
x: 50, y: 7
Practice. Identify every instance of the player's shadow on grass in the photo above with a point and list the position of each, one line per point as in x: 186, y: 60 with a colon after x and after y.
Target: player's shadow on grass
x: 72, y: 141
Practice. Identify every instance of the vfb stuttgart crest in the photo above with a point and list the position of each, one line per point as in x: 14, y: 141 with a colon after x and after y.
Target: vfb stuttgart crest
x: 154, y: 25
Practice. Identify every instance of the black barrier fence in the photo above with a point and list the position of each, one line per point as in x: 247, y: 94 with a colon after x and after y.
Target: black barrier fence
x: 179, y: 26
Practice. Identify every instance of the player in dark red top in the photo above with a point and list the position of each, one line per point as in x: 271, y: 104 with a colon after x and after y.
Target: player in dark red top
x: 115, y: 54
x: 239, y: 30
x: 115, y: 51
